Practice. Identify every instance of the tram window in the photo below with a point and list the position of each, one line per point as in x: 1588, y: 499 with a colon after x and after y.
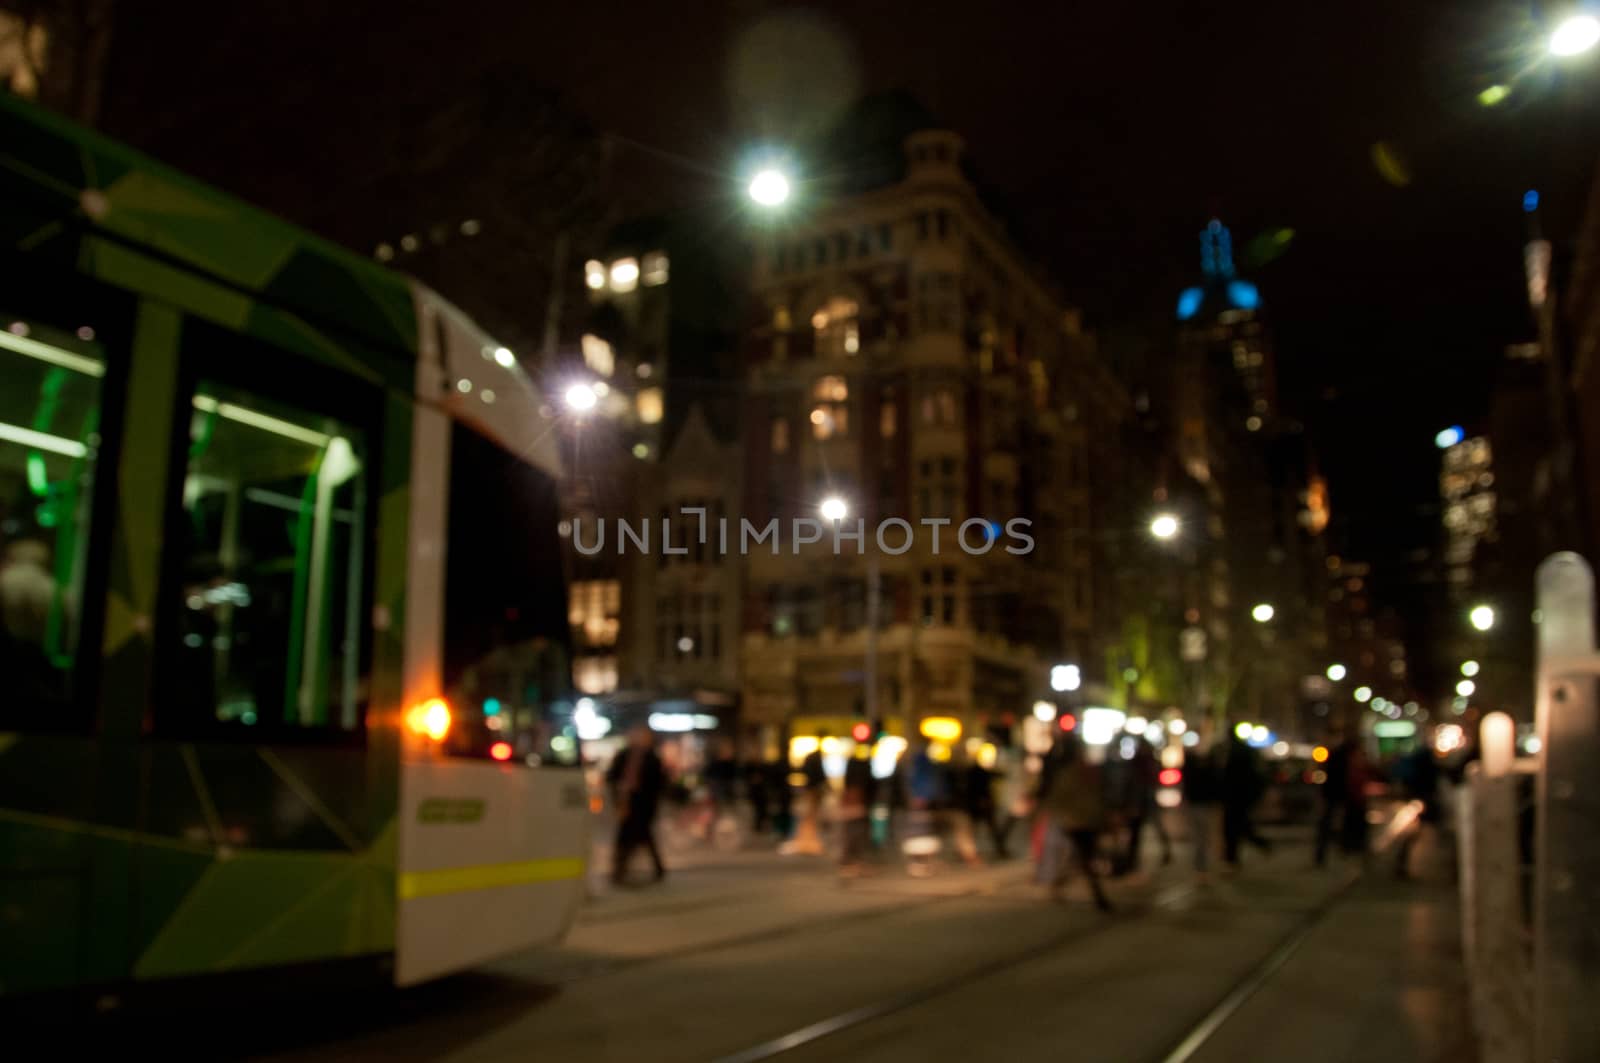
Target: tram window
x: 506, y: 635
x: 273, y: 537
x: 49, y: 417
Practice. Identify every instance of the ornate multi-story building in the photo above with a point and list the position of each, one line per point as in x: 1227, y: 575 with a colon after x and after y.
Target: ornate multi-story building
x: 904, y: 358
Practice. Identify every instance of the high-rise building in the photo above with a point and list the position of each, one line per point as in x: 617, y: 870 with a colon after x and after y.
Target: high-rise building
x: 905, y: 360
x: 1263, y: 510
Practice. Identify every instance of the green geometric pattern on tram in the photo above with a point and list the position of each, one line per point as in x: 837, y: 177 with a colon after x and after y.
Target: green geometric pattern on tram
x: 261, y: 908
x: 238, y: 246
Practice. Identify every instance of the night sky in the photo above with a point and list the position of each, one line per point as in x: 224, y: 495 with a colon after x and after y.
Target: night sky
x: 1113, y: 132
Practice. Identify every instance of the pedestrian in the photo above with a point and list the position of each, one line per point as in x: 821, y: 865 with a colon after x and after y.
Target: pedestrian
x: 855, y: 808
x: 1418, y: 774
x: 722, y: 776
x: 1015, y: 802
x: 1334, y: 771
x: 1074, y: 799
x: 1144, y: 776
x: 757, y: 791
x: 1202, y: 793
x: 808, y: 836
x: 980, y: 803
x: 636, y: 778
x: 1358, y: 776
x: 926, y: 787
x: 1243, y: 783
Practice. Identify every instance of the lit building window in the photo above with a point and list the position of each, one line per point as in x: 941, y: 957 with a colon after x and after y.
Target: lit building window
x: 594, y: 609
x: 654, y: 269
x: 888, y: 420
x: 780, y: 435
x: 624, y: 275
x: 781, y: 320
x: 597, y: 355
x: 831, y: 415
x: 595, y: 675
x: 939, y: 407
x: 594, y: 274
x: 837, y: 330
x: 649, y: 406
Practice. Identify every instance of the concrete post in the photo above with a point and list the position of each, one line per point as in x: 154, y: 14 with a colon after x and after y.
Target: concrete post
x: 1499, y: 971
x: 1567, y: 874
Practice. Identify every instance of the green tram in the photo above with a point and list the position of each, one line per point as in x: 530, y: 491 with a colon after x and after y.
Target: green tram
x: 283, y: 653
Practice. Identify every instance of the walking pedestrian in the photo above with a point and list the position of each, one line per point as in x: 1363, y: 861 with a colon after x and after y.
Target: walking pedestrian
x: 855, y: 808
x: 1334, y: 785
x: 978, y: 796
x: 636, y: 778
x: 1202, y: 793
x: 1144, y: 776
x: 1243, y: 783
x: 1418, y: 774
x: 1074, y: 800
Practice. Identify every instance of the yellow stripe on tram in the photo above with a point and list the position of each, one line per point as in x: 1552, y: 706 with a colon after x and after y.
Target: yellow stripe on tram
x: 414, y: 884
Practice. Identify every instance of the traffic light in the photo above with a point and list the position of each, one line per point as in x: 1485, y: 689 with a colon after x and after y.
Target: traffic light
x: 861, y: 731
x: 1067, y: 721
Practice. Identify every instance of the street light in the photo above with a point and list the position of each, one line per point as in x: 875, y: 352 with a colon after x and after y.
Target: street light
x: 1469, y: 668
x: 1164, y: 526
x: 1362, y: 694
x: 1482, y: 617
x: 1466, y: 687
x: 769, y: 188
x: 833, y: 508
x: 581, y: 398
x: 1575, y: 35
x: 1065, y: 677
x: 1336, y: 672
x: 1262, y: 613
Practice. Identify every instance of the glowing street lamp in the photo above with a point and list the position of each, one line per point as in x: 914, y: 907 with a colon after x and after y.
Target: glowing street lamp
x: 833, y: 508
x: 1362, y: 694
x: 1482, y: 617
x: 769, y: 188
x: 1065, y: 677
x: 1469, y: 668
x: 1466, y: 688
x: 1262, y: 613
x: 1575, y: 35
x: 581, y: 398
x: 1336, y: 672
x: 1164, y: 526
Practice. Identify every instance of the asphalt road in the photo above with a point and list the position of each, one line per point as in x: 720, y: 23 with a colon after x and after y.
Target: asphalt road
x: 755, y: 956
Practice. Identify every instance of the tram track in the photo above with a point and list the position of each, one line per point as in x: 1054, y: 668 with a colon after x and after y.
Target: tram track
x: 1184, y: 1047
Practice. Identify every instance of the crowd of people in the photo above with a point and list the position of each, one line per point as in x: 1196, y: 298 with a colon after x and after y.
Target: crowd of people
x: 1080, y: 813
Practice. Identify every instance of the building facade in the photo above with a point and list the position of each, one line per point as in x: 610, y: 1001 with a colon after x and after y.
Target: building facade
x: 904, y: 361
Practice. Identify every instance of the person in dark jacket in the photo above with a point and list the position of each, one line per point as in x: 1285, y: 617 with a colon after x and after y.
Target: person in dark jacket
x: 1243, y: 783
x: 1202, y: 793
x: 1144, y: 777
x: 636, y: 778
x: 978, y: 797
x: 1334, y: 772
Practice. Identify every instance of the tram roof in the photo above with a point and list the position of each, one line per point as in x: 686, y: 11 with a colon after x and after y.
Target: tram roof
x: 64, y: 184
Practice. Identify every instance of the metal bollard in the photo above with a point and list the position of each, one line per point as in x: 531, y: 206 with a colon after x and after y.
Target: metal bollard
x: 1497, y: 965
x: 1567, y: 873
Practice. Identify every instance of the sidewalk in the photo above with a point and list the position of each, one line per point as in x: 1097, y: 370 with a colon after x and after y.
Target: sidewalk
x: 1379, y: 978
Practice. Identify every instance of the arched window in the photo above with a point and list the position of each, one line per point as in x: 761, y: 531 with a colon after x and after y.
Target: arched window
x: 837, y: 328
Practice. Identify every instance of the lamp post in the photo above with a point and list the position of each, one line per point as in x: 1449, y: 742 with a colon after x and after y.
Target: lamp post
x: 834, y: 509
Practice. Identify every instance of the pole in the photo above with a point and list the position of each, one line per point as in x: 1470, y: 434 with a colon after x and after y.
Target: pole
x: 552, y: 310
x: 872, y: 639
x: 1494, y: 877
x: 1567, y: 871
